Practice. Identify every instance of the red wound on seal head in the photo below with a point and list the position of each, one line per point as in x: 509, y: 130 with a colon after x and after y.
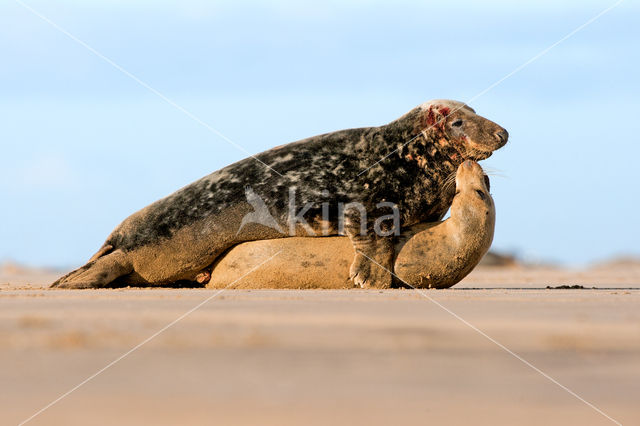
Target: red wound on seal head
x: 431, y: 116
x: 436, y: 115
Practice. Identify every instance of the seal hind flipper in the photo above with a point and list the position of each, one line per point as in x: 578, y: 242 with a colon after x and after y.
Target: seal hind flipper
x: 97, y: 273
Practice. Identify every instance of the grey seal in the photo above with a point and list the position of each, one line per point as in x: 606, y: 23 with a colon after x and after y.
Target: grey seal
x: 405, y: 162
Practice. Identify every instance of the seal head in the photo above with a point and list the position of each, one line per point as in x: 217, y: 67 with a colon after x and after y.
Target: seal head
x: 441, y: 256
x: 456, y: 124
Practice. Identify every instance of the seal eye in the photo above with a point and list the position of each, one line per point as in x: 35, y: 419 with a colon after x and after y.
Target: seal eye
x: 457, y: 123
x: 481, y: 194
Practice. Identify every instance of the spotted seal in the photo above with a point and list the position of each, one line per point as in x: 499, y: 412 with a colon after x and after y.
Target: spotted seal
x: 405, y: 162
x: 429, y: 255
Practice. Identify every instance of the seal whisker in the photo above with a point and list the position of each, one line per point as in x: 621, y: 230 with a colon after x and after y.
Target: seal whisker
x: 448, y: 182
x: 450, y: 179
x: 490, y: 171
x: 500, y: 175
x: 448, y: 185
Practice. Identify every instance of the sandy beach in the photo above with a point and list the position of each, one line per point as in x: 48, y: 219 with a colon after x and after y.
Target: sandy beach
x: 335, y: 356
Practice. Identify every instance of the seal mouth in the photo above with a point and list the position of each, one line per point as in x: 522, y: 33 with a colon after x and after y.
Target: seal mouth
x: 478, y: 155
x: 479, y: 152
x: 471, y: 177
x: 483, y: 156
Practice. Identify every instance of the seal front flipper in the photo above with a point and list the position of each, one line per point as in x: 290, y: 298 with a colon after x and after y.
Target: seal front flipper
x: 98, y: 273
x: 373, y: 261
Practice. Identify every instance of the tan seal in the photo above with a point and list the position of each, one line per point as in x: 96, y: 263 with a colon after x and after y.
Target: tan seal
x: 435, y: 255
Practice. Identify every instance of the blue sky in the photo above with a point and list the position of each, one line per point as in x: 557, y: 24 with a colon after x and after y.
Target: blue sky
x: 83, y: 145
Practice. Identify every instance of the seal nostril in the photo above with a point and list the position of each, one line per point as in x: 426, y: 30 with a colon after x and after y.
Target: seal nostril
x: 503, y: 135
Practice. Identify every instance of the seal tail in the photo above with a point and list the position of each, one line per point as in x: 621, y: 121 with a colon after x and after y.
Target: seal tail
x: 105, y: 249
x: 67, y: 277
x: 103, y: 268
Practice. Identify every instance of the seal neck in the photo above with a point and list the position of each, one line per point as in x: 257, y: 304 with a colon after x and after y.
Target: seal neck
x: 419, y: 142
x: 410, y: 127
x: 469, y: 227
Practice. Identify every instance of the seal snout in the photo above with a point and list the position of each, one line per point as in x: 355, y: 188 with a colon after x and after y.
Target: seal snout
x: 471, y: 166
x: 468, y: 175
x: 502, y: 135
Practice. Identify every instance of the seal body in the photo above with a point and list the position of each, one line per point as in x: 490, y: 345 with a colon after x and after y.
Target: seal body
x: 429, y: 255
x: 405, y: 162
